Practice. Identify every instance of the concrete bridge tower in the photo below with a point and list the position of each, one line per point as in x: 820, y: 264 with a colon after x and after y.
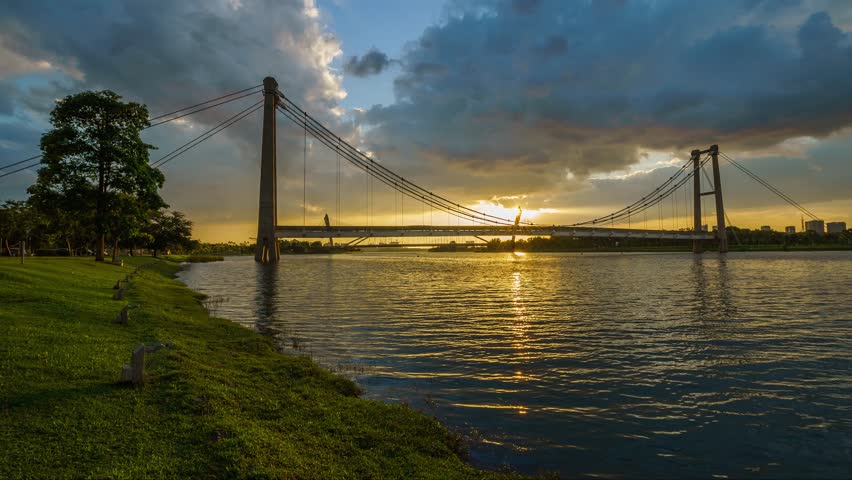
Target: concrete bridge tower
x: 266, y: 250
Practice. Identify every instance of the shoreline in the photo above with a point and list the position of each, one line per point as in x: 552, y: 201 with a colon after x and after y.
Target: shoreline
x: 219, y: 399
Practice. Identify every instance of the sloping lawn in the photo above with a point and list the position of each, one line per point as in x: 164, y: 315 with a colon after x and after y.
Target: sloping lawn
x: 219, y: 401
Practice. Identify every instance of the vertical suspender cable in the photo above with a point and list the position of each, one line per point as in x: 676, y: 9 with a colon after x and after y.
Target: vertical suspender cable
x: 305, y: 175
x: 367, y: 196
x: 337, y: 199
x: 677, y: 210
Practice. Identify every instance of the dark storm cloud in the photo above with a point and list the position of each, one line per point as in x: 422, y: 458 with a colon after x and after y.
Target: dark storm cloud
x: 168, y: 55
x: 587, y: 86
x: 372, y: 63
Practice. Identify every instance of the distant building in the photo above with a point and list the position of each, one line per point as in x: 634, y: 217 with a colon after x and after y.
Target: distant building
x: 836, y: 227
x: 817, y: 226
x: 766, y: 228
x: 790, y: 229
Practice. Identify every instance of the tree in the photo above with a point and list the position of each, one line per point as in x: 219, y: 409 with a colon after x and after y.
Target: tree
x: 169, y: 230
x: 71, y: 214
x: 94, y: 156
x: 18, y: 220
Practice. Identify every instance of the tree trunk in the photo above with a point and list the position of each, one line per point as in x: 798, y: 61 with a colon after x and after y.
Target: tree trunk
x: 5, y: 244
x: 114, y: 248
x: 100, y: 210
x: 68, y: 244
x: 99, y: 248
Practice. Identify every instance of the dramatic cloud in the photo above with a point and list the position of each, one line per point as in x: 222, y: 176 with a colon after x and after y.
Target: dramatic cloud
x: 169, y: 55
x: 519, y: 87
x: 372, y: 63
x: 541, y: 103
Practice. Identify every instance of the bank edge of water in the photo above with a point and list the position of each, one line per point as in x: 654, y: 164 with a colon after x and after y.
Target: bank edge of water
x: 673, y: 249
x: 220, y: 401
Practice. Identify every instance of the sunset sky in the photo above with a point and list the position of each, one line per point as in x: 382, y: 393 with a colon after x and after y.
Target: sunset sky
x: 567, y: 109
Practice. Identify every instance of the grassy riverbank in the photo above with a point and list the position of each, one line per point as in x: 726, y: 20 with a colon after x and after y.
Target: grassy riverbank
x: 219, y: 400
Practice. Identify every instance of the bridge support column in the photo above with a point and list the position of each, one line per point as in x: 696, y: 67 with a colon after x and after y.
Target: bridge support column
x: 721, y: 233
x: 266, y: 250
x: 697, y: 246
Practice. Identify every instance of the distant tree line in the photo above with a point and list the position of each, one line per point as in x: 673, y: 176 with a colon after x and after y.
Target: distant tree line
x: 224, y: 248
x: 95, y: 185
x: 296, y: 246
x: 736, y: 236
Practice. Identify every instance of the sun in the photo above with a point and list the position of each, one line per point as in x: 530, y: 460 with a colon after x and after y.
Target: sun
x: 509, y: 213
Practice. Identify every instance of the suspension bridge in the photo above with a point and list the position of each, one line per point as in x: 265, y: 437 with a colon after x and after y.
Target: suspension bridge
x: 691, y: 181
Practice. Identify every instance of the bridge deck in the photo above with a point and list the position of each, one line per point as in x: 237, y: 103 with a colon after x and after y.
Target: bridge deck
x: 423, y: 231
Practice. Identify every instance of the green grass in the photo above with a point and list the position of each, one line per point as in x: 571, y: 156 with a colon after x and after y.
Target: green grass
x: 219, y: 402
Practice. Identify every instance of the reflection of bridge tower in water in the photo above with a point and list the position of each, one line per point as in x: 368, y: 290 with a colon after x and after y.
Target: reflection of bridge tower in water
x: 482, y: 224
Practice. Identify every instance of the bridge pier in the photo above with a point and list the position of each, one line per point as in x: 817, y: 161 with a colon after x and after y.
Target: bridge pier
x: 266, y: 249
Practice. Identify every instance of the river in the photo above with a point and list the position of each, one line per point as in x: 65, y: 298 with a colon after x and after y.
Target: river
x: 634, y: 365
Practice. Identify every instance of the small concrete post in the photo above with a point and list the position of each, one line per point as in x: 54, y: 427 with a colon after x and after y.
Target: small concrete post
x: 137, y: 363
x: 117, y: 284
x: 697, y: 247
x: 135, y: 372
x: 118, y: 295
x: 123, y: 316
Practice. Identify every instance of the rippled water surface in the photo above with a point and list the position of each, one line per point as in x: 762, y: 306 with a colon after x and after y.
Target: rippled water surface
x: 616, y: 365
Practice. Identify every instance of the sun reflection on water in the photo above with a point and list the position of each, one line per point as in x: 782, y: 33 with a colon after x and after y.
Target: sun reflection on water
x: 589, y: 364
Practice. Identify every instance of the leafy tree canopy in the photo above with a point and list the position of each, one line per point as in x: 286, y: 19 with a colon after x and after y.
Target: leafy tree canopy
x: 94, y: 157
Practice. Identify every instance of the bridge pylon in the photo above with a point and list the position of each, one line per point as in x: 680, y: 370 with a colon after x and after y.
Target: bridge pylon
x: 266, y: 249
x: 721, y: 232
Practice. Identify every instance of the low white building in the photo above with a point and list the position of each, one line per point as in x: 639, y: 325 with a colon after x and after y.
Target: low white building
x: 836, y: 227
x: 817, y: 226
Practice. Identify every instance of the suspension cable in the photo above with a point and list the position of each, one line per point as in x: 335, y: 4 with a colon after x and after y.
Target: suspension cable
x: 305, y: 180
x: 769, y: 187
x: 648, y: 202
x: 254, y: 90
x: 379, y: 172
x: 204, y: 136
x: 337, y: 199
x: 20, y: 169
x: 357, y: 158
x: 195, y: 141
x: 198, y: 110
x: 619, y: 213
x: 20, y: 162
x: 205, y: 103
x: 415, y: 190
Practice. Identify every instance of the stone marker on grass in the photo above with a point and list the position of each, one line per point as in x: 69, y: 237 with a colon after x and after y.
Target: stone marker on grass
x: 123, y: 316
x: 135, y: 372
